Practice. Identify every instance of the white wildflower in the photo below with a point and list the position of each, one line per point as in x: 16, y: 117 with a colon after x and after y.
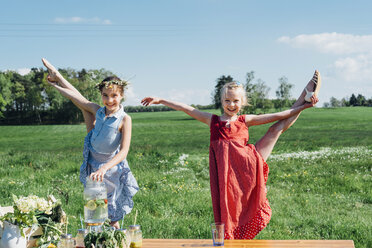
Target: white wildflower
x: 182, y: 159
x: 175, y: 171
x: 349, y: 153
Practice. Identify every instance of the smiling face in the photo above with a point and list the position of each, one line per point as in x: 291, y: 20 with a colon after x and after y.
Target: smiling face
x: 111, y: 98
x: 232, y: 102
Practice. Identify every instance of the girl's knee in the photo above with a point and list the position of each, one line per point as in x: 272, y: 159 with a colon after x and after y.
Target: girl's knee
x: 115, y: 224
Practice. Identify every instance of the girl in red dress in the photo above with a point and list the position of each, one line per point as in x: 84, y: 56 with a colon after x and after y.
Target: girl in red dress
x: 238, y: 171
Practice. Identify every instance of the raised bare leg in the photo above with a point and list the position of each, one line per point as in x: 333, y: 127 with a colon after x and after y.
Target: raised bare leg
x: 58, y: 81
x: 266, y: 144
x: 55, y: 76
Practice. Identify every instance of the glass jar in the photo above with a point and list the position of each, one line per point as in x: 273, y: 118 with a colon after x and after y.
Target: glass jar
x: 95, y: 202
x: 66, y: 241
x: 80, y: 238
x: 135, y: 235
x: 126, y: 241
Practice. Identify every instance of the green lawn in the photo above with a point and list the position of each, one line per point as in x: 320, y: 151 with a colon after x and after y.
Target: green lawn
x: 319, y: 184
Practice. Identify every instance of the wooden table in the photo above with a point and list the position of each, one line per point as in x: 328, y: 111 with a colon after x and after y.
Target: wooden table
x: 180, y: 243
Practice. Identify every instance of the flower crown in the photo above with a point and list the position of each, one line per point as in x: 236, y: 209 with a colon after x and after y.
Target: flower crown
x: 108, y: 84
x: 233, y: 85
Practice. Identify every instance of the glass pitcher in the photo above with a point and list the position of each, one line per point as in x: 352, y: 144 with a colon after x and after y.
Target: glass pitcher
x: 95, y: 202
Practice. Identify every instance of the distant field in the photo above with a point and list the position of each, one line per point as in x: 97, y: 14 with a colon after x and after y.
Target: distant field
x: 319, y: 184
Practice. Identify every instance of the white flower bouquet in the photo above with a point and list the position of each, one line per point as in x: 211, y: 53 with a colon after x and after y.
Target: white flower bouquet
x: 32, y: 212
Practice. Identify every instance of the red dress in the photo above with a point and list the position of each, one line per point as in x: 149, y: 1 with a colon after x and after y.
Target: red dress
x: 238, y: 176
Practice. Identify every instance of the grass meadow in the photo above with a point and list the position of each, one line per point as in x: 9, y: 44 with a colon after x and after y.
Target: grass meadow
x: 319, y: 183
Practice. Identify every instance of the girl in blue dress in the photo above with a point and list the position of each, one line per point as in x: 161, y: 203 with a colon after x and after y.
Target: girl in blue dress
x: 107, y: 144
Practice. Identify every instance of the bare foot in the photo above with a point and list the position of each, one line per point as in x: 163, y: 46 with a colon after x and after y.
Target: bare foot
x: 53, y: 72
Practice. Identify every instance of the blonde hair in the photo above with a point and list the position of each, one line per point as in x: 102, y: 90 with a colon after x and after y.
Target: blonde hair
x: 234, y: 86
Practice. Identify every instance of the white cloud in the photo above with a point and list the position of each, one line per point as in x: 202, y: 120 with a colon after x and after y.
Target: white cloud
x: 81, y: 20
x: 354, y: 62
x: 131, y: 98
x: 23, y: 71
x: 331, y: 43
x: 358, y: 68
x: 107, y: 22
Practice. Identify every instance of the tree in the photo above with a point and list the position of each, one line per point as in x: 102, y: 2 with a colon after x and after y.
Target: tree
x: 249, y: 86
x: 261, y: 92
x: 221, y: 81
x: 345, y: 102
x: 326, y: 105
x: 18, y: 91
x: 369, y: 103
x: 334, y: 103
x: 267, y: 105
x: 283, y: 92
x: 353, y: 100
x: 35, y: 99
x: 5, y: 93
x: 361, y: 100
x: 258, y: 97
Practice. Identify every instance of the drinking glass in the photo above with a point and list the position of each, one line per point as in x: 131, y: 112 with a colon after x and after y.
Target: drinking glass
x: 218, y: 233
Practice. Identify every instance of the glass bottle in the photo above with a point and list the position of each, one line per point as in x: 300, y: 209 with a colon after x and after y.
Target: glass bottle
x: 80, y: 238
x: 66, y: 241
x: 135, y: 235
x: 95, y: 202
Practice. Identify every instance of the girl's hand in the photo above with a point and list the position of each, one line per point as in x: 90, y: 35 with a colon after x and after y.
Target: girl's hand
x: 98, y: 175
x: 314, y: 101
x: 53, y: 72
x: 147, y: 101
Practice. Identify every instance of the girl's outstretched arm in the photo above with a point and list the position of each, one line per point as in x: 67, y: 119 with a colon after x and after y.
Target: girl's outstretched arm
x: 252, y: 120
x: 68, y: 90
x: 204, y: 117
x: 126, y: 134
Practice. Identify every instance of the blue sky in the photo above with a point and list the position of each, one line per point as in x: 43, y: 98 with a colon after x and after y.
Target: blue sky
x: 177, y: 49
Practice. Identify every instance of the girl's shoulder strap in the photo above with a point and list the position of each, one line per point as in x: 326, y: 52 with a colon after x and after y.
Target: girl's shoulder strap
x: 100, y: 112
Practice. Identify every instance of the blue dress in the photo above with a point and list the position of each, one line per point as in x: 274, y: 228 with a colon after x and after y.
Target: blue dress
x: 101, y: 144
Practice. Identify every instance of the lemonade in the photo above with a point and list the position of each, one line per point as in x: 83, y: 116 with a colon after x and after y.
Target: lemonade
x: 95, y: 207
x: 135, y: 235
x: 95, y: 211
x: 137, y: 244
